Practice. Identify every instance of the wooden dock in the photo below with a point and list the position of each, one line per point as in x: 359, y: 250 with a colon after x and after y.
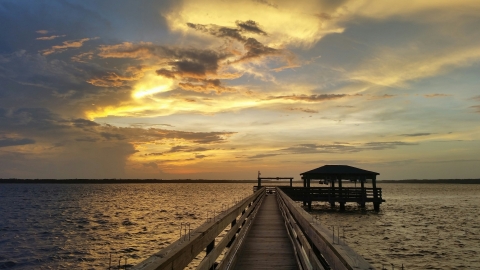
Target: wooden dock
x: 267, y: 244
x: 267, y: 230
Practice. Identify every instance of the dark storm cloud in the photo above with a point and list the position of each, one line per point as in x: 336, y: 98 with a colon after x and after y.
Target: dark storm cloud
x: 14, y: 142
x: 311, y: 98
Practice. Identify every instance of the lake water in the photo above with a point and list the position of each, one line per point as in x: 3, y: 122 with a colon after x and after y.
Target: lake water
x: 60, y: 226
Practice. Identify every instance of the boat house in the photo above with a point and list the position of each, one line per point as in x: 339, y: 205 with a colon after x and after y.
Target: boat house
x: 335, y: 175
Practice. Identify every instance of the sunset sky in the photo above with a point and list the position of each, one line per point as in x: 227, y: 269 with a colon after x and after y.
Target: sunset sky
x: 223, y: 89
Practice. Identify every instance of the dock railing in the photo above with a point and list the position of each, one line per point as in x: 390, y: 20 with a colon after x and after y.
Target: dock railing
x: 313, y: 244
x: 346, y: 194
x: 180, y: 253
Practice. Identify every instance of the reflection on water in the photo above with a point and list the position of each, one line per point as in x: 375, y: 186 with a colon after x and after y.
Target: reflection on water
x: 421, y: 226
x: 78, y: 226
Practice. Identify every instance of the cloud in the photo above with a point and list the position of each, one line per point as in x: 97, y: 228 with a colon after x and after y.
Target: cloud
x: 303, y: 110
x: 113, y: 79
x: 253, y: 48
x: 250, y: 26
x: 385, y: 96
x: 436, y: 95
x: 394, y: 67
x: 192, y: 63
x: 286, y: 22
x: 195, y: 69
x: 342, y: 147
x: 43, y: 32
x: 49, y: 37
x: 265, y: 2
x: 183, y: 148
x: 83, y: 123
x: 310, y: 98
x: 476, y: 108
x: 262, y: 156
x: 204, y: 86
x: 416, y: 134
x: 66, y: 45
x: 109, y: 136
x: 14, y: 142
x: 86, y: 139
x: 63, y: 143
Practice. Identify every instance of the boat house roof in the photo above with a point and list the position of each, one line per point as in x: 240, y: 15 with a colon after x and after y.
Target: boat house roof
x: 338, y: 171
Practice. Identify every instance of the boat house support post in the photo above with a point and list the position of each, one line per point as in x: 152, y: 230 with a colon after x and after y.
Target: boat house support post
x: 259, y: 184
x: 309, y: 195
x: 363, y: 195
x: 376, y: 202
x: 304, y: 185
x: 340, y: 194
x: 332, y: 195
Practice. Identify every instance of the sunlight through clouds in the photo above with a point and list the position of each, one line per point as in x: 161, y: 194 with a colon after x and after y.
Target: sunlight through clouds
x: 220, y: 89
x: 151, y: 85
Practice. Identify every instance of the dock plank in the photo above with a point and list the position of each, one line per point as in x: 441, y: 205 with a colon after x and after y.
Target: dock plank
x: 267, y: 245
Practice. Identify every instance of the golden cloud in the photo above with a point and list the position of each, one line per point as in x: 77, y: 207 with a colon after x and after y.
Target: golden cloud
x: 66, y: 45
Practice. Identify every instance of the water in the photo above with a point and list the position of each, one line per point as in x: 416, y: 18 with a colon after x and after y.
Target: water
x: 51, y: 226
x: 55, y: 226
x: 422, y: 226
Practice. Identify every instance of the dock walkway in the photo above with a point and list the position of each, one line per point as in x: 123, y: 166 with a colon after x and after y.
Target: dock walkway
x: 267, y: 244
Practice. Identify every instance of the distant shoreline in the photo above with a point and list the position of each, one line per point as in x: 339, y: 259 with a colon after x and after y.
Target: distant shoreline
x: 165, y: 181
x: 117, y: 181
x: 432, y: 181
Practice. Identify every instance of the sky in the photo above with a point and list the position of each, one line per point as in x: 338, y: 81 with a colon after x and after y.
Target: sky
x: 205, y: 89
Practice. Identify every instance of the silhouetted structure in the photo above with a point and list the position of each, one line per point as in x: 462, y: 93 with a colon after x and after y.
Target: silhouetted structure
x: 330, y: 174
x: 271, y: 178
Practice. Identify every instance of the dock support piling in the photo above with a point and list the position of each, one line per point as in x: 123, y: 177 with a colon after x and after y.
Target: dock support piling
x: 362, y: 202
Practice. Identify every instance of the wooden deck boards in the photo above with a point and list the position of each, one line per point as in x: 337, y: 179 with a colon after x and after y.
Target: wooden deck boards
x: 267, y: 245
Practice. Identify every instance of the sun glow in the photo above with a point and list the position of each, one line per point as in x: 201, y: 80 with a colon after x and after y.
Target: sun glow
x: 152, y: 85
